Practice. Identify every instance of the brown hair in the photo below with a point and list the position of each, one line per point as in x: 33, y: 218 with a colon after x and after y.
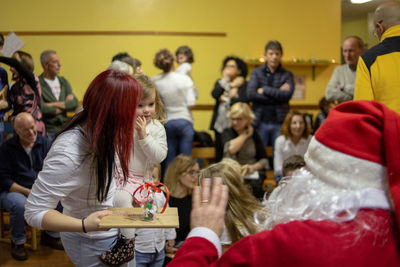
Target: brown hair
x: 148, y: 88
x: 184, y: 49
x: 164, y: 60
x: 285, y: 130
x: 292, y: 163
x: 26, y: 59
x: 242, y: 205
x: 176, y: 168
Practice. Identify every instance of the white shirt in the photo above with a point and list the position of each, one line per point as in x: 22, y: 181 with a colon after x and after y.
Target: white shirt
x: 176, y: 92
x: 54, y: 86
x: 149, y: 240
x: 285, y: 148
x: 66, y: 177
x: 184, y: 68
x: 150, y: 150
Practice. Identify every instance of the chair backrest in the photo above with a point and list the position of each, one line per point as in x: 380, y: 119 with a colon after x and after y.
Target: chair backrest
x: 204, y: 153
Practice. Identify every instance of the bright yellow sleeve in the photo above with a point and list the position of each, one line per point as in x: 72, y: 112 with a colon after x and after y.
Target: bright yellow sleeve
x: 363, y: 88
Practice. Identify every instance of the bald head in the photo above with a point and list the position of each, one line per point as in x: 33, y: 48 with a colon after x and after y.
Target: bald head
x: 386, y: 15
x: 25, y: 128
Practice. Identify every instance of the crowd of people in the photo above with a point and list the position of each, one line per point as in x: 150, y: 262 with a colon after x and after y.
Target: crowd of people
x: 337, y: 179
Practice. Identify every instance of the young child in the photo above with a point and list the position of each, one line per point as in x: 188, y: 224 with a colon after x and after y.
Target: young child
x: 150, y: 242
x: 150, y: 147
x: 184, y: 57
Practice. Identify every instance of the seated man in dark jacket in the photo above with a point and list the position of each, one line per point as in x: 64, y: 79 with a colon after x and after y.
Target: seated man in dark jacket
x: 21, y: 160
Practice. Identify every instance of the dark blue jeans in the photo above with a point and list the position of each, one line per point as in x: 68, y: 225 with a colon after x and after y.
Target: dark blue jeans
x: 179, y: 138
x: 269, y: 132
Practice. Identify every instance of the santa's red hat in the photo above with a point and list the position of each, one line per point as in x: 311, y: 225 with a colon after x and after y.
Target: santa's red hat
x: 357, y: 147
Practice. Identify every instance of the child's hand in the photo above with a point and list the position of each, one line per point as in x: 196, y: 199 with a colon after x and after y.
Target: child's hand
x: 237, y: 82
x: 140, y: 127
x: 169, y: 246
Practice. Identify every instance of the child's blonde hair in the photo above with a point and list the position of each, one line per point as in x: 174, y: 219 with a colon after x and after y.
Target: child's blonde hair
x: 242, y: 205
x: 157, y: 167
x: 149, y: 87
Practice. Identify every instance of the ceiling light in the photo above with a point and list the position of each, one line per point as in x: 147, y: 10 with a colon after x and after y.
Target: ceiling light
x: 359, y: 1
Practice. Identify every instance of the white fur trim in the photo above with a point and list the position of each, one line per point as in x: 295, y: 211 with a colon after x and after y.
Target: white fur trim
x: 343, y: 170
x: 208, y: 234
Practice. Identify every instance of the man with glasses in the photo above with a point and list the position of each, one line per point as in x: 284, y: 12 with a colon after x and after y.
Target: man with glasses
x: 378, y: 75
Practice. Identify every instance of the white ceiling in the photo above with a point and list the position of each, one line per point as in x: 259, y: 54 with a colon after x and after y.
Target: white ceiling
x: 358, y: 11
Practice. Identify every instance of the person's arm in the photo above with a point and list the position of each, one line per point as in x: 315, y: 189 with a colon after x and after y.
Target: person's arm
x: 282, y: 94
x: 70, y: 102
x: 56, y: 221
x: 55, y: 182
x: 202, y: 247
x: 47, y: 110
x: 22, y: 71
x: 363, y: 88
x: 217, y: 91
x: 236, y: 144
x: 241, y: 94
x: 335, y: 90
x: 190, y: 95
x: 155, y: 144
x: 20, y: 189
x: 252, y: 87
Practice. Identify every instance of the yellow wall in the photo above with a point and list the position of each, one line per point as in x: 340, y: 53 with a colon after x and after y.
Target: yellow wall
x: 306, y: 29
x: 361, y: 28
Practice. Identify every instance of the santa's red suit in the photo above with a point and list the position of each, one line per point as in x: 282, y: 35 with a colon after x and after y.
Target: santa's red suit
x: 356, y: 149
x: 304, y: 243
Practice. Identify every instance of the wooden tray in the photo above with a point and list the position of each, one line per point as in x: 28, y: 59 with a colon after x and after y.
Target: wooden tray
x: 131, y: 218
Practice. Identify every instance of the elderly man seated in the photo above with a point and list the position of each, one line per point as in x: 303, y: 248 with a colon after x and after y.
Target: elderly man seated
x: 21, y: 160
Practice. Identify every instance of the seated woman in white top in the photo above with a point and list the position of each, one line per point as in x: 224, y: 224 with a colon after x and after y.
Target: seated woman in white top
x: 79, y: 168
x: 294, y: 139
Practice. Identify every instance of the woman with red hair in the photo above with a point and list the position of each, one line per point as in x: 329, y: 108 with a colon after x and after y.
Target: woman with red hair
x: 78, y: 170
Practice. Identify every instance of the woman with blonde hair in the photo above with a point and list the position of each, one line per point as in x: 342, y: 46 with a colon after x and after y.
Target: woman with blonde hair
x: 243, y: 208
x: 180, y: 178
x: 294, y: 139
x: 243, y: 144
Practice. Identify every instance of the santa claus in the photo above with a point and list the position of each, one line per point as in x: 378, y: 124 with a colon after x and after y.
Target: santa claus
x: 341, y: 210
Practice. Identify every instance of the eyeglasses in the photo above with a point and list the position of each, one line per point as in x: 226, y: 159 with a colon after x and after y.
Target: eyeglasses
x: 193, y: 172
x: 239, y: 119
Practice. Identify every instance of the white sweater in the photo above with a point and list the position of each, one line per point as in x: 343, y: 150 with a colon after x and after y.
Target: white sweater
x: 284, y: 148
x: 150, y: 150
x: 176, y: 92
x: 66, y: 177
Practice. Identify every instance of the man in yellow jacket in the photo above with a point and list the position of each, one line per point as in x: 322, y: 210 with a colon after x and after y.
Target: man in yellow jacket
x: 378, y: 69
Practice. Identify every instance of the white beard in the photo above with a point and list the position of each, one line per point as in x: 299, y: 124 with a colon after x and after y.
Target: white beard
x: 305, y: 197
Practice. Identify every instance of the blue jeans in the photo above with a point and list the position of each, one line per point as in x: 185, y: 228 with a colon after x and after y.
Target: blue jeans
x: 155, y: 259
x: 14, y: 203
x: 1, y: 131
x: 84, y: 251
x: 180, y: 135
x: 269, y: 132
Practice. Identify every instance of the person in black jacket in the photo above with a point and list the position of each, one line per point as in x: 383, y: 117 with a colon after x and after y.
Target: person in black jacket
x: 270, y: 88
x: 242, y: 143
x: 21, y: 159
x: 228, y: 90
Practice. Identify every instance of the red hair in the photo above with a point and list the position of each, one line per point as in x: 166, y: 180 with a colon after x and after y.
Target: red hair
x: 109, y: 112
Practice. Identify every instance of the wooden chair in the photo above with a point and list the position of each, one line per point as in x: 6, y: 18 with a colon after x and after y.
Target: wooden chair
x: 204, y: 153
x: 33, y: 231
x: 270, y: 173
